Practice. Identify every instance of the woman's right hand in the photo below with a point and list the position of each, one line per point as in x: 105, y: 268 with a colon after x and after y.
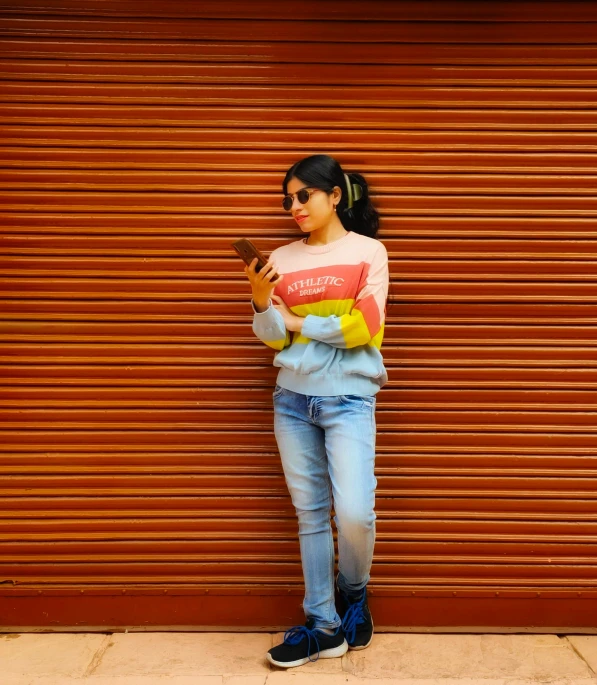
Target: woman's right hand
x: 262, y: 283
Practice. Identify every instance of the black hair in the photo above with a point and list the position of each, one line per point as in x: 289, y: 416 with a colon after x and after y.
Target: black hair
x: 324, y: 172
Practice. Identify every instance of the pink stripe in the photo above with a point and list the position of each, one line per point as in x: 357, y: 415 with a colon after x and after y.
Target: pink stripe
x: 323, y: 283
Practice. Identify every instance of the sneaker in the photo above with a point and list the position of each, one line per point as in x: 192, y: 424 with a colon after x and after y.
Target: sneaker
x: 301, y: 643
x: 356, y: 620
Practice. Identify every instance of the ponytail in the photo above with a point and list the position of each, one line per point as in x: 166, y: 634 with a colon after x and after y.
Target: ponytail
x: 355, y: 209
x: 362, y: 217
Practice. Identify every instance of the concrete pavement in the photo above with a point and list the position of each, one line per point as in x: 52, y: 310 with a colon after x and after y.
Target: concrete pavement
x: 238, y: 659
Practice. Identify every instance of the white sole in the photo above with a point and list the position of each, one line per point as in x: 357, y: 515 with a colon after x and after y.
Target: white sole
x: 340, y: 650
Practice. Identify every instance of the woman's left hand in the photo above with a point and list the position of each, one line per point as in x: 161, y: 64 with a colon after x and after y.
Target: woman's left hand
x: 291, y: 321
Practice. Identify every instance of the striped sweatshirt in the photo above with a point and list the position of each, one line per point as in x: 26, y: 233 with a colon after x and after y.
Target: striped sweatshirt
x: 341, y: 290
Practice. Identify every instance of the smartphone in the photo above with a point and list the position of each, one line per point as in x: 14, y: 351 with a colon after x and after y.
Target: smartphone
x: 247, y: 252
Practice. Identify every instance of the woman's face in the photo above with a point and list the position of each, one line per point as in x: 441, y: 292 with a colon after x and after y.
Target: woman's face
x: 317, y: 212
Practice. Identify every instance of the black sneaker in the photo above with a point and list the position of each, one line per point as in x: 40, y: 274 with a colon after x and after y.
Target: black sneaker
x: 301, y: 643
x: 356, y: 620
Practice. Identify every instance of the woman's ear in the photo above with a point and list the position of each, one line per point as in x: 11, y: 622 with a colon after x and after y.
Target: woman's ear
x: 337, y: 194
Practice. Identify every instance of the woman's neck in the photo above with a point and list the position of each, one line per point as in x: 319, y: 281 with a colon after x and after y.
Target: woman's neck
x: 327, y: 234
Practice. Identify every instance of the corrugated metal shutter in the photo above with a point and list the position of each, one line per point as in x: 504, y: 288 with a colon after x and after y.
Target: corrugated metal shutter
x: 140, y: 481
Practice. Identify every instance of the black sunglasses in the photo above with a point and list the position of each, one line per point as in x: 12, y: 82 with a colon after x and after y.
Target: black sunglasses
x: 303, y: 196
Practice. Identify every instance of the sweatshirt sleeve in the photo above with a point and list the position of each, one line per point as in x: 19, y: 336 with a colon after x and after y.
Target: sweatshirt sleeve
x: 269, y: 327
x: 366, y: 319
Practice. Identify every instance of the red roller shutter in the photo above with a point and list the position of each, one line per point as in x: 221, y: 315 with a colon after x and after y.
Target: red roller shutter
x: 140, y: 481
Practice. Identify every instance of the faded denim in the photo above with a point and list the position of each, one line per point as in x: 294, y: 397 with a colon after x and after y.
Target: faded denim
x: 327, y: 447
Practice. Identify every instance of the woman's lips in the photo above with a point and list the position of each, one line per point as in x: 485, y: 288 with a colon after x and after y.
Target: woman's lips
x: 299, y: 218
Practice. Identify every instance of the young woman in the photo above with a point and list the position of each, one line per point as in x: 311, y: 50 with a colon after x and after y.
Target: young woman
x: 320, y: 302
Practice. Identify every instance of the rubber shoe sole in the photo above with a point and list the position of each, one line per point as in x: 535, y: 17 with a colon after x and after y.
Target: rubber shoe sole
x: 332, y: 653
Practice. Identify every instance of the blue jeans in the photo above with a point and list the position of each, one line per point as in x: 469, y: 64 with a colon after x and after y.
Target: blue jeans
x: 327, y: 446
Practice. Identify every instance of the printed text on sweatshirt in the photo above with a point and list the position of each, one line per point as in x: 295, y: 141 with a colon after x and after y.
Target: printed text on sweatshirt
x: 341, y: 290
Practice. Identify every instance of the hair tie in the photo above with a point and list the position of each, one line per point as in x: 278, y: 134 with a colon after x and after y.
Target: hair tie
x: 355, y: 191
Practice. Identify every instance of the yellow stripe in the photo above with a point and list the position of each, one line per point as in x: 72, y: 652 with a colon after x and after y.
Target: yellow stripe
x: 301, y: 340
x: 354, y: 335
x: 275, y: 344
x: 279, y: 344
x: 337, y: 308
x: 324, y: 308
x: 377, y: 339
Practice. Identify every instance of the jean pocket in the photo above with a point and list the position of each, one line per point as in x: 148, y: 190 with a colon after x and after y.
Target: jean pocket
x: 277, y: 391
x: 358, y: 401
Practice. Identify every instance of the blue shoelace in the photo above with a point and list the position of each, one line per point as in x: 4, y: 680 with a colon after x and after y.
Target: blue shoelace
x: 352, y: 618
x: 294, y: 635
